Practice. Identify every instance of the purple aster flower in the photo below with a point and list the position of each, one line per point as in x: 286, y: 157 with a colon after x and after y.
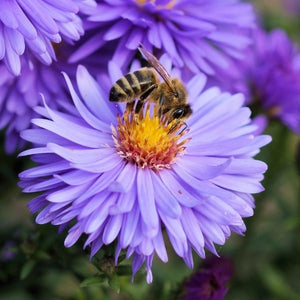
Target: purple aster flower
x: 110, y: 174
x: 37, y: 25
x: 270, y: 77
x: 7, y: 251
x: 209, y: 283
x: 292, y: 7
x: 20, y: 94
x: 196, y: 34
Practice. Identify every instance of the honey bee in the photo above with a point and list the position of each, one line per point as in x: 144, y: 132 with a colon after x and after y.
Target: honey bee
x: 144, y: 84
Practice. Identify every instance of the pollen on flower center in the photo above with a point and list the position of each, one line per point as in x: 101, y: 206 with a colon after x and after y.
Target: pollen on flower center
x: 167, y: 5
x: 148, y: 140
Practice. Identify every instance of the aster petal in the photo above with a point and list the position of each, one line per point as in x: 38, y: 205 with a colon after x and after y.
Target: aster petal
x: 219, y: 212
x: 45, y: 216
x: 41, y: 150
x: 257, y: 142
x: 68, y: 194
x: 125, y: 180
x: 16, y: 41
x: 104, y: 164
x: 81, y: 135
x: 91, y: 204
x: 99, y: 185
x: 182, y: 195
x: 98, y: 217
x: 193, y: 22
x: 211, y: 231
x: 12, y: 59
x: 245, y: 184
x: 46, y: 170
x: 146, y: 201
x: 37, y: 12
x: 125, y: 202
x: 128, y: 229
x: 204, y: 187
x: 66, y: 216
x: 166, y: 203
x: 198, y: 167
x: 117, y: 30
x: 195, y: 86
x: 81, y: 156
x: 73, y: 236
x: 192, y: 229
x: 44, y: 185
x: 106, y: 13
x: 176, y: 234
x: 229, y: 146
x: 180, y: 247
x: 160, y: 248
x: 2, y: 44
x: 168, y: 43
x: 88, y: 48
x: 93, y: 96
x: 96, y: 245
x: 76, y: 177
x: 37, y: 203
x: 249, y: 166
x: 6, y: 14
x: 146, y: 247
x: 135, y: 38
x: 154, y: 36
x: 112, y: 229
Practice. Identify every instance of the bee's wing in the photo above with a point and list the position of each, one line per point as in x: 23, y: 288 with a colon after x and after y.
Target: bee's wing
x: 154, y: 62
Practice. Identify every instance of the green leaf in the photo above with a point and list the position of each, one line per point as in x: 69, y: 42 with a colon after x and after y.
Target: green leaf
x: 276, y: 283
x: 114, y: 283
x: 27, y: 268
x: 42, y: 255
x: 124, y: 270
x: 96, y: 280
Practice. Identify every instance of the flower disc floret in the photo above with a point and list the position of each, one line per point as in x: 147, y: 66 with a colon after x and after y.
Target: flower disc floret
x: 148, y: 140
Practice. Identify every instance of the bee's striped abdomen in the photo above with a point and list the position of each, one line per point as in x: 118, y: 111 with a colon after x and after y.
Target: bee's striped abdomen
x: 132, y: 85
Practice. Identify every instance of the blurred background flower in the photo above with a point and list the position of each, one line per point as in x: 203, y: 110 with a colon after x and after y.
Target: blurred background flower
x: 269, y: 77
x: 210, y: 281
x: 35, y: 26
x: 196, y: 35
x: 19, y: 95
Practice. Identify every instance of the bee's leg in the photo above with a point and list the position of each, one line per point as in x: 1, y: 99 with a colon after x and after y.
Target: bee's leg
x: 143, y: 97
x: 148, y: 92
x: 175, y: 125
x: 161, y: 101
x: 138, y: 106
x: 130, y: 105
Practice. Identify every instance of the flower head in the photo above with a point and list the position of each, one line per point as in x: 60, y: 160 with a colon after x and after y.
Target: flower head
x: 199, y: 35
x: 36, y: 26
x: 209, y: 283
x: 105, y: 168
x: 22, y: 93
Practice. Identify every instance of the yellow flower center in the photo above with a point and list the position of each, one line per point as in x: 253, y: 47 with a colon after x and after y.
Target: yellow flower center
x: 147, y: 139
x: 168, y: 5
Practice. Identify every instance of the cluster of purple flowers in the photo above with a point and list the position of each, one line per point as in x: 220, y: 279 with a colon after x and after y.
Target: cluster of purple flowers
x: 270, y: 77
x: 105, y: 166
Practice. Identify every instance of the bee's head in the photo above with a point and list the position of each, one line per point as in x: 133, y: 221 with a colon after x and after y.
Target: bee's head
x: 181, y: 112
